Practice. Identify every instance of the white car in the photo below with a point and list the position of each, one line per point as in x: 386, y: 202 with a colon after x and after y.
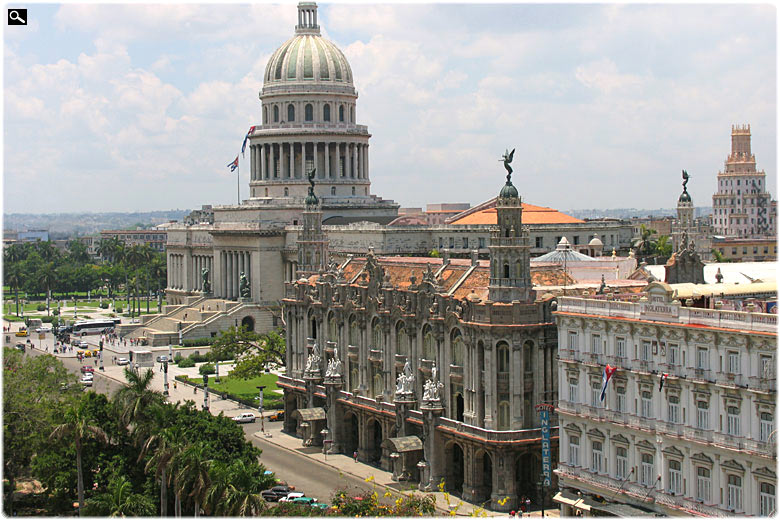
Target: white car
x: 122, y: 361
x: 88, y: 375
x: 290, y: 496
x: 86, y: 380
x: 245, y: 417
x: 44, y: 328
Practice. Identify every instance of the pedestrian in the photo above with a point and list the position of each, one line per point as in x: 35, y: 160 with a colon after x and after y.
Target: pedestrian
x: 174, y: 384
x: 355, y: 456
x: 512, y: 514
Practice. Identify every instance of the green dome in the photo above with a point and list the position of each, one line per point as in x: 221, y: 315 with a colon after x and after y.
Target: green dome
x: 684, y: 197
x: 308, y: 58
x: 311, y: 199
x: 508, y: 191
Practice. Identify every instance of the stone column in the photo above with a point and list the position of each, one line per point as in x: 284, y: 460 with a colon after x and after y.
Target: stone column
x: 272, y: 162
x: 252, y: 163
x: 504, y: 480
x: 333, y: 386
x: 236, y: 295
x: 430, y: 467
x: 327, y: 159
x: 261, y: 156
x: 228, y: 275
x: 490, y: 389
x: 366, y: 154
x: 354, y: 161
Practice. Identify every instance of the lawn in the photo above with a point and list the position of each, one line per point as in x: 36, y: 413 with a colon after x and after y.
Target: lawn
x: 246, y: 389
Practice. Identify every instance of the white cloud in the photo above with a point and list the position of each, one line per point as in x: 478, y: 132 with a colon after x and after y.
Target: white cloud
x: 603, y: 75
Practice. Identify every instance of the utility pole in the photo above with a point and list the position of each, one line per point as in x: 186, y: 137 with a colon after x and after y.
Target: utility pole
x: 165, y: 384
x: 205, y: 392
x: 260, y: 409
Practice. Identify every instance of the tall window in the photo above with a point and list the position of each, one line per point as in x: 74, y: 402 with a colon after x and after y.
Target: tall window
x: 503, y: 358
x: 766, y: 499
x: 732, y: 427
x: 276, y: 114
x: 703, y: 485
x: 620, y: 347
x: 595, y: 344
x: 573, y: 392
x: 332, y: 190
x: 376, y: 335
x: 645, y: 352
x: 528, y: 357
x: 354, y: 333
x: 290, y: 113
x: 503, y: 415
x: 648, y: 474
x: 341, y: 113
x: 766, y: 425
x: 702, y: 415
x: 597, y: 457
x: 767, y: 367
x: 595, y: 394
x: 573, y: 337
x: 733, y: 362
x: 621, y: 463
x: 674, y: 354
x: 647, y: 404
x: 734, y: 500
x: 620, y: 398
x: 429, y: 349
x: 574, y: 451
x: 309, y: 112
x: 675, y: 477
x: 702, y: 358
x: 457, y: 350
x: 326, y: 112
x: 674, y: 409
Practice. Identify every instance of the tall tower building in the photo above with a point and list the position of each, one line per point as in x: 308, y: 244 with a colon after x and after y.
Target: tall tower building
x: 312, y: 242
x: 510, y: 267
x: 742, y: 207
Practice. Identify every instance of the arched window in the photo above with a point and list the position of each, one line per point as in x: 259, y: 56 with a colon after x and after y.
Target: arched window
x: 353, y: 190
x: 376, y: 335
x: 506, y: 270
x: 332, y: 190
x: 354, y: 334
x: 429, y: 346
x: 326, y: 112
x: 402, y: 340
x: 276, y: 114
x: 457, y: 348
x: 503, y: 357
x: 309, y: 112
x: 352, y: 114
x: 290, y: 113
x: 286, y: 192
x: 341, y: 113
x: 333, y: 331
x: 528, y: 358
x: 378, y: 384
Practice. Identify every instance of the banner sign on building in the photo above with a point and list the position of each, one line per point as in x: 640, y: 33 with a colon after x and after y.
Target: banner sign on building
x: 544, y: 417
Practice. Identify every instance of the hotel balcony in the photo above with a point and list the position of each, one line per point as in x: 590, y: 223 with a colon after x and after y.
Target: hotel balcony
x: 764, y: 384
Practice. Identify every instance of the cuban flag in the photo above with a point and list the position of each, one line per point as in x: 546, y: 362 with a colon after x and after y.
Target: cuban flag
x: 233, y: 165
x: 243, y: 146
x: 663, y: 380
x: 605, y: 377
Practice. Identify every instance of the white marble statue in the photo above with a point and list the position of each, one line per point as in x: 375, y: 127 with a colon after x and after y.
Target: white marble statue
x: 405, y: 381
x: 313, y: 361
x: 334, y: 365
x: 433, y: 386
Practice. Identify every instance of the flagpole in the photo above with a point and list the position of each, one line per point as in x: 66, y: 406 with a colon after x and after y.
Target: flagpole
x: 238, y: 184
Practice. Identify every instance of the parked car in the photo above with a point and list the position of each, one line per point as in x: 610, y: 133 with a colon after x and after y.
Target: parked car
x: 122, y: 361
x: 291, y: 496
x: 88, y: 375
x: 43, y: 328
x: 87, y: 368
x: 278, y: 415
x: 86, y: 380
x: 21, y: 346
x: 303, y: 500
x: 82, y: 344
x: 245, y: 417
x: 22, y: 333
x: 162, y: 359
x: 276, y: 493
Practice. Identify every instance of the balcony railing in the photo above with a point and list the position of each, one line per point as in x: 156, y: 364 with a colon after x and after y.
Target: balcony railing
x: 728, y: 441
x: 456, y: 372
x: 763, y: 383
x: 670, y: 312
x: 494, y: 435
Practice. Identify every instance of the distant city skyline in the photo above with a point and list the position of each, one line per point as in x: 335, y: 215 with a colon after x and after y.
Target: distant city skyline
x: 128, y: 107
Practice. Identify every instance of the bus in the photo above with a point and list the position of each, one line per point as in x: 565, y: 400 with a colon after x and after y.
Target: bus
x: 84, y: 327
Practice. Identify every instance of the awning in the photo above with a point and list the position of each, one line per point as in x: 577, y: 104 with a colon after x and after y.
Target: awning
x: 621, y: 510
x: 566, y: 497
x: 309, y: 414
x: 403, y: 444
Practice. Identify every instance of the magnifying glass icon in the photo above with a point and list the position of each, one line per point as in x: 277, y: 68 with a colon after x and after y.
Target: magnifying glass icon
x: 14, y: 15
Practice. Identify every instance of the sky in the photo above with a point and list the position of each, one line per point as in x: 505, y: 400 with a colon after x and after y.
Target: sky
x: 139, y: 107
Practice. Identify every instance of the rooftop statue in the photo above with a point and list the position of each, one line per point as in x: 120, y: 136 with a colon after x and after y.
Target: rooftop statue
x: 310, y: 176
x: 685, y: 179
x: 507, y: 158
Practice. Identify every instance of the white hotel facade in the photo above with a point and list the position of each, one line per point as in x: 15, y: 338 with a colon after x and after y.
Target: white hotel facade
x: 704, y: 444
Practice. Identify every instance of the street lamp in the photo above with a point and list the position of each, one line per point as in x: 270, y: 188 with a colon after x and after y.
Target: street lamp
x: 165, y: 384
x: 205, y: 392
x: 216, y: 377
x: 102, y: 368
x: 260, y: 409
x: 74, y: 307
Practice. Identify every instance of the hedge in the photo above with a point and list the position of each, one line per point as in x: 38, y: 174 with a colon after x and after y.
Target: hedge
x: 186, y: 363
x: 199, y: 342
x: 207, y: 368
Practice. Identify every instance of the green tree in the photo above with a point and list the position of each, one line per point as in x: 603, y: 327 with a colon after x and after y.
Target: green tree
x: 14, y: 276
x: 253, y: 352
x: 32, y: 395
x: 77, y: 252
x: 136, y: 397
x: 120, y: 500
x: 645, y: 243
x: 194, y: 478
x: 77, y: 428
x: 242, y: 496
x: 164, y: 447
x: 663, y: 247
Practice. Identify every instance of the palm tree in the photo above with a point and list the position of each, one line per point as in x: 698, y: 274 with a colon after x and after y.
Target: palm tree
x: 645, y: 244
x: 48, y: 277
x: 15, y: 278
x: 165, y: 446
x: 120, y: 501
x: 136, y: 398
x: 78, y: 427
x: 214, y: 502
x: 194, y: 478
x: 243, y: 494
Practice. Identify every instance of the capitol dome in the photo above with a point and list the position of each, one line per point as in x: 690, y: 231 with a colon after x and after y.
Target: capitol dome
x: 307, y: 57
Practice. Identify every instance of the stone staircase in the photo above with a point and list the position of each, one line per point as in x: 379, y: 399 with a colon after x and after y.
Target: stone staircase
x: 198, y: 317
